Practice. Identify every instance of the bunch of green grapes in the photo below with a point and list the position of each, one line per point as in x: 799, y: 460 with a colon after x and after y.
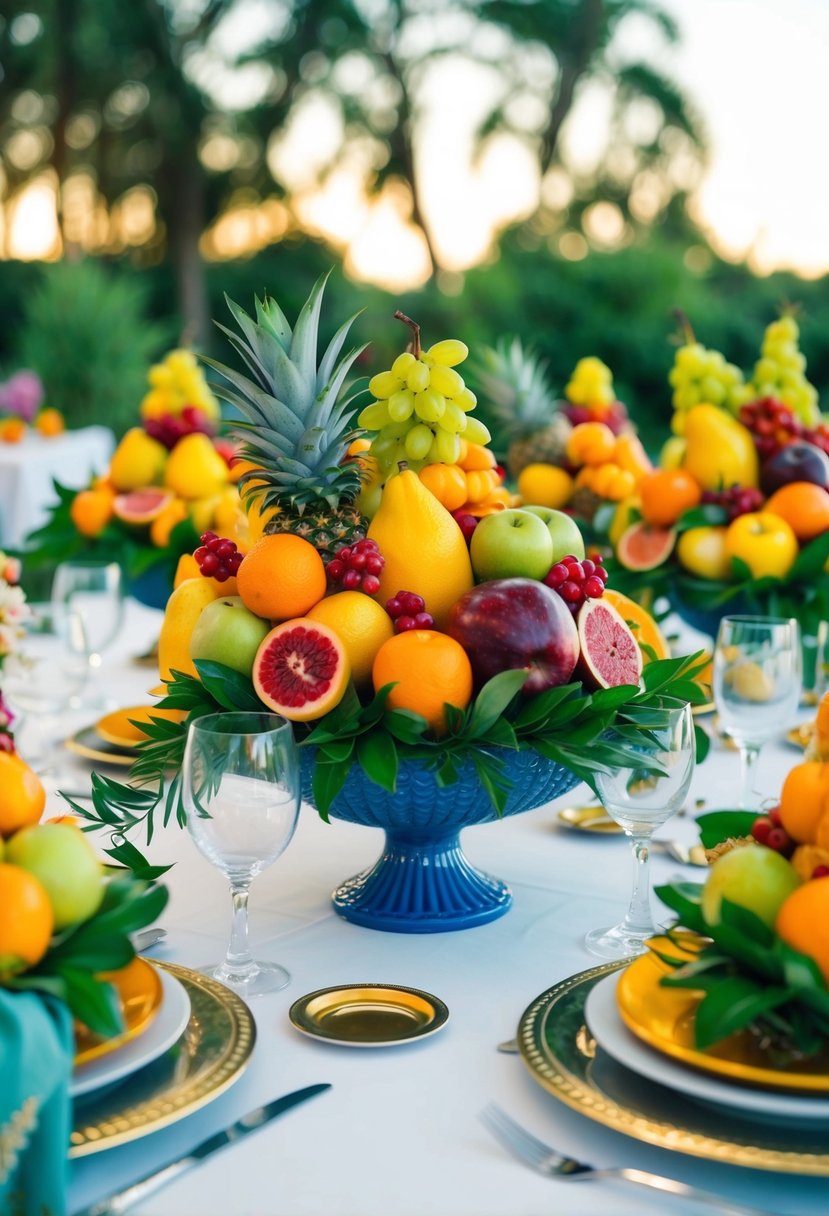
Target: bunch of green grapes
x: 700, y: 376
x: 780, y: 371
x: 591, y: 383
x: 421, y: 408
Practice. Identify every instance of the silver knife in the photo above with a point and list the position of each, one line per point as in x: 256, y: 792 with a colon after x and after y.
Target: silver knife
x: 255, y: 1119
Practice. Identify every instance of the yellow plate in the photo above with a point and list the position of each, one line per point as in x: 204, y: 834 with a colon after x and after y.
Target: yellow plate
x: 122, y: 727
x: 211, y: 1055
x: 664, y: 1019
x: 368, y: 1015
x: 594, y: 819
x: 89, y: 744
x: 139, y: 988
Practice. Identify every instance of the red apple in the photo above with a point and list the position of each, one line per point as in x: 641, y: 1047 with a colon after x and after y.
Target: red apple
x: 510, y: 623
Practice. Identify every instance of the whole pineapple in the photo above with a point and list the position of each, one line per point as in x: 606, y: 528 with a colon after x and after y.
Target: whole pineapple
x: 297, y: 422
x: 530, y: 427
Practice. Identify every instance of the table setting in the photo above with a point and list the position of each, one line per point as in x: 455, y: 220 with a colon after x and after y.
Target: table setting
x: 290, y: 1022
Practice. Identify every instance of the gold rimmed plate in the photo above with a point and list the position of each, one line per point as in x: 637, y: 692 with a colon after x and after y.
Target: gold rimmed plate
x: 368, y: 1015
x: 664, y: 1019
x: 592, y: 819
x: 89, y: 744
x: 139, y: 989
x: 562, y: 1056
x: 122, y: 727
x: 207, y: 1059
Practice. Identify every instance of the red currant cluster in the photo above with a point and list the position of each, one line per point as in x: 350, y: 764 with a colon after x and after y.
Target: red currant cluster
x: 577, y: 581
x: 769, y: 830
x: 408, y: 611
x: 217, y: 557
x: 772, y: 423
x: 356, y: 567
x: 737, y: 500
x: 169, y: 428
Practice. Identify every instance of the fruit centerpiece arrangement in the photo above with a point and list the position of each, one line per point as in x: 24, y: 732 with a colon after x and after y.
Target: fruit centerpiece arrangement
x: 756, y: 945
x: 169, y: 479
x: 22, y: 408
x: 447, y: 658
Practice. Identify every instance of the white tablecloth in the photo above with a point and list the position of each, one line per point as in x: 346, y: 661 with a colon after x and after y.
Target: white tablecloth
x: 399, y: 1131
x: 28, y: 468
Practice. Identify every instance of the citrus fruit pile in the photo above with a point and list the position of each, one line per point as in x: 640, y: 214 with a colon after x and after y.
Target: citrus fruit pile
x: 50, y: 876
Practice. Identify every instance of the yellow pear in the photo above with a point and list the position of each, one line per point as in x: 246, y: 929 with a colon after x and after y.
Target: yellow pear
x: 423, y: 546
x: 137, y: 461
x: 180, y: 615
x: 719, y: 450
x: 195, y: 469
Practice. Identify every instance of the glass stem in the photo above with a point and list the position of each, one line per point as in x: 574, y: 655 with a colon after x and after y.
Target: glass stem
x: 638, y: 918
x: 238, y: 961
x: 749, y: 755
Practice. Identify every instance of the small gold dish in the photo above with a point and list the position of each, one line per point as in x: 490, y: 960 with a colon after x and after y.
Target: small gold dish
x: 89, y: 744
x: 589, y: 819
x: 368, y: 1015
x: 139, y: 989
x: 801, y: 736
x: 664, y: 1019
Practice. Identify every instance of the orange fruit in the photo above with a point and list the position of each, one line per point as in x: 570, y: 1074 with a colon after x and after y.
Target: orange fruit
x: 804, y: 506
x: 641, y: 622
x: 361, y: 624
x: 803, y: 922
x: 545, y: 485
x: 91, y: 511
x: 27, y: 921
x: 590, y: 443
x: 806, y: 857
x: 12, y: 430
x: 429, y: 670
x: 49, y: 422
x: 803, y: 799
x: 22, y: 796
x: 666, y: 493
x: 281, y: 577
x: 447, y: 482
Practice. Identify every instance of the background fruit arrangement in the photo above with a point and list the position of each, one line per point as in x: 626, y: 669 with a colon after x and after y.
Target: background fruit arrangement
x: 22, y: 408
x: 761, y: 954
x: 170, y: 479
x: 397, y: 602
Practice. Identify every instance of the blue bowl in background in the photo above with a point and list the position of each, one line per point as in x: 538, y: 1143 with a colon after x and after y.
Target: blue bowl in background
x: 152, y: 588
x: 422, y: 882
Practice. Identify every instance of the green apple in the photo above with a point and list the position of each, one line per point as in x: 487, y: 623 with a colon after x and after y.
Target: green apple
x: 511, y: 544
x: 66, y: 864
x: 563, y: 529
x: 755, y: 877
x: 228, y: 632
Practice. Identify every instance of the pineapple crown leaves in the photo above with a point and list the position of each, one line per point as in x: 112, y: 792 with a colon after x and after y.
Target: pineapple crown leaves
x: 295, y: 421
x: 515, y: 380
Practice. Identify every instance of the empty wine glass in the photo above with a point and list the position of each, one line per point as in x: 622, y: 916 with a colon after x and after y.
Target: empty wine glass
x: 95, y: 589
x: 639, y: 799
x: 241, y: 791
x: 47, y: 669
x: 757, y: 684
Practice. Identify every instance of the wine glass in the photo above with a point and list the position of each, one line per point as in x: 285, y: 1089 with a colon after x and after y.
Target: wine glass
x: 241, y: 792
x: 639, y: 799
x: 757, y: 684
x: 95, y: 589
x: 47, y: 669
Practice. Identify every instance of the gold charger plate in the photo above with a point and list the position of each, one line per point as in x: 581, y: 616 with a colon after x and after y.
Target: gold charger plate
x: 139, y: 987
x: 368, y: 1015
x: 212, y: 1053
x: 122, y: 727
x: 593, y: 819
x: 664, y: 1019
x: 89, y: 744
x: 801, y: 736
x: 562, y: 1056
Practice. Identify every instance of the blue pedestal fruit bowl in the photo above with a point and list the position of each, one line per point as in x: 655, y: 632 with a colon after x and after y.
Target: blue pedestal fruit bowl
x: 422, y: 882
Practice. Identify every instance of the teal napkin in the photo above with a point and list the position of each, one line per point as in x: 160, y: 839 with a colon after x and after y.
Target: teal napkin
x: 36, y: 1054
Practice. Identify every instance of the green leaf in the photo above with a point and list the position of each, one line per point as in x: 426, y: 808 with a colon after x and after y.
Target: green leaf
x: 811, y: 560
x: 702, y: 741
x: 229, y: 688
x: 377, y: 755
x: 93, y: 1002
x: 328, y: 780
x: 493, y: 699
x: 717, y: 826
x: 128, y: 855
x: 405, y: 725
x: 731, y: 1006
x: 707, y: 515
x: 685, y: 899
x: 539, y: 708
x: 613, y: 698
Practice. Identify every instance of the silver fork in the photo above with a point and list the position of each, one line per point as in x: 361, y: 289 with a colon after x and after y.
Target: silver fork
x: 545, y: 1160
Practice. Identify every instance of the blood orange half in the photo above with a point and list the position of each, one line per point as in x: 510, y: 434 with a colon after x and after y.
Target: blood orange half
x: 610, y: 654
x: 301, y: 670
